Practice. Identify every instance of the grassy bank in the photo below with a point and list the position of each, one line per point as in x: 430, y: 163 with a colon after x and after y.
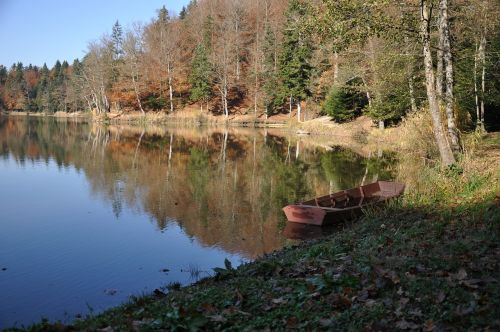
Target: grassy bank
x: 429, y: 261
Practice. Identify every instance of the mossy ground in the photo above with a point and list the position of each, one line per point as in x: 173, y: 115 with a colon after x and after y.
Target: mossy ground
x: 423, y: 262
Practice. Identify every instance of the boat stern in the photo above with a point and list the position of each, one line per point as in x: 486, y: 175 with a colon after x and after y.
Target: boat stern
x: 305, y: 214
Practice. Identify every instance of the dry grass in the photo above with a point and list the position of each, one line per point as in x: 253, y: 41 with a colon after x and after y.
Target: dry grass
x: 470, y: 180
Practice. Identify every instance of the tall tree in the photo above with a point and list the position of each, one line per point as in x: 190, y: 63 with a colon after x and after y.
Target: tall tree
x: 295, y: 70
x: 445, y: 152
x: 133, y: 54
x: 201, y: 76
x: 448, y: 62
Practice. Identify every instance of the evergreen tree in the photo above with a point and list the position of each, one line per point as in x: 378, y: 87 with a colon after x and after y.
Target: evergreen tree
x: 43, y: 92
x: 163, y: 15
x: 3, y: 74
x: 208, y: 28
x: 201, y: 75
x: 270, y: 75
x: 295, y: 70
x: 336, y: 105
x: 182, y: 14
x: 117, y: 41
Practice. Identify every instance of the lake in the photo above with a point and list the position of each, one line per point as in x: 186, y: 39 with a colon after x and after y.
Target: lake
x: 93, y: 214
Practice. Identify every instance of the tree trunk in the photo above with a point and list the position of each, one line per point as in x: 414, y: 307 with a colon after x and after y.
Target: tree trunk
x: 224, y: 97
x: 412, y: 94
x: 452, y: 127
x: 411, y: 83
x: 170, y: 89
x: 445, y: 152
x: 439, y: 56
x: 299, y: 110
x: 290, y: 109
x: 478, y: 112
x: 136, y: 90
x: 482, y: 57
x: 335, y: 67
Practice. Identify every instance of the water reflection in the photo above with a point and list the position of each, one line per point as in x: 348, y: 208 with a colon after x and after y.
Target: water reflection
x: 221, y: 188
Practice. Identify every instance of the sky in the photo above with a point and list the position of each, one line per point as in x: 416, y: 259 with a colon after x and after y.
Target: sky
x: 44, y: 31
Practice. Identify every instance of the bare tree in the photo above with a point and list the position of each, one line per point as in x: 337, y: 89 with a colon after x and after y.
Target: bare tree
x: 448, y: 62
x: 96, y: 74
x: 133, y: 54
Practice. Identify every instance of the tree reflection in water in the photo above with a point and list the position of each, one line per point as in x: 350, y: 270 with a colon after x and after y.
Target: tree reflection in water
x: 226, y: 187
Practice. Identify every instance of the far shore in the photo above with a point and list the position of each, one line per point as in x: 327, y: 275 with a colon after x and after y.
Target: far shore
x: 360, y: 134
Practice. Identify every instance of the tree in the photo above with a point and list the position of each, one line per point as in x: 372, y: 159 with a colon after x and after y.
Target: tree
x: 295, y: 70
x: 445, y: 152
x: 117, y: 41
x: 448, y: 62
x: 165, y: 37
x: 133, y: 52
x: 95, y: 73
x: 201, y: 76
x: 270, y: 73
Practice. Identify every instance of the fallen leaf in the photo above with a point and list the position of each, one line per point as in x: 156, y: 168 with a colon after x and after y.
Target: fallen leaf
x: 218, y: 318
x: 405, y: 325
x: 393, y: 276
x: 440, y: 297
x: 429, y: 325
x: 403, y: 301
x: 279, y: 300
x: 324, y: 322
x: 292, y: 322
x: 461, y: 275
x: 106, y: 329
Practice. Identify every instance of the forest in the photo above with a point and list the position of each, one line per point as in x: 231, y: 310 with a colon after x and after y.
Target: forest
x: 340, y: 58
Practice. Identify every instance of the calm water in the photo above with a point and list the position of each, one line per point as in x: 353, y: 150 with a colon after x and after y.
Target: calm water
x: 90, y: 215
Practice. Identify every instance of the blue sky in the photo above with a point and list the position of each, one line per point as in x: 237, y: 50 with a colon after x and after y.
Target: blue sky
x: 38, y: 31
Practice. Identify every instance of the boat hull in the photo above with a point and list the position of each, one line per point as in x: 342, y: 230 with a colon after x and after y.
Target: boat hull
x: 312, y: 215
x: 343, y: 205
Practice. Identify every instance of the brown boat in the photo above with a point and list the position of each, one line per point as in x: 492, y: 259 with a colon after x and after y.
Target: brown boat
x: 342, y: 205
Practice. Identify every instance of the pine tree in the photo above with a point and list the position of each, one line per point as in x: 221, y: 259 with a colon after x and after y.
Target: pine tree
x: 337, y: 105
x: 163, y: 15
x: 117, y: 41
x: 270, y: 75
x: 43, y: 93
x: 295, y: 70
x: 182, y: 14
x: 201, y: 76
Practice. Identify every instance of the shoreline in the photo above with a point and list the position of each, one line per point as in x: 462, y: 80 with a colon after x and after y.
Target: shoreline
x: 362, y: 132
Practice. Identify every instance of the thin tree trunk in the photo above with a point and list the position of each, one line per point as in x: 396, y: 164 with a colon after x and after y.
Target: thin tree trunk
x: 299, y: 110
x: 482, y: 56
x: 335, y: 67
x: 290, y: 109
x: 448, y: 60
x: 439, y: 56
x: 412, y: 94
x: 445, y: 152
x: 136, y: 90
x: 478, y: 112
x: 170, y: 88
x: 411, y: 83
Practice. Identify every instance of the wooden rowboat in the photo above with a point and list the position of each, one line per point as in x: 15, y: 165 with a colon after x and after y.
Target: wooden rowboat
x: 342, y: 205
